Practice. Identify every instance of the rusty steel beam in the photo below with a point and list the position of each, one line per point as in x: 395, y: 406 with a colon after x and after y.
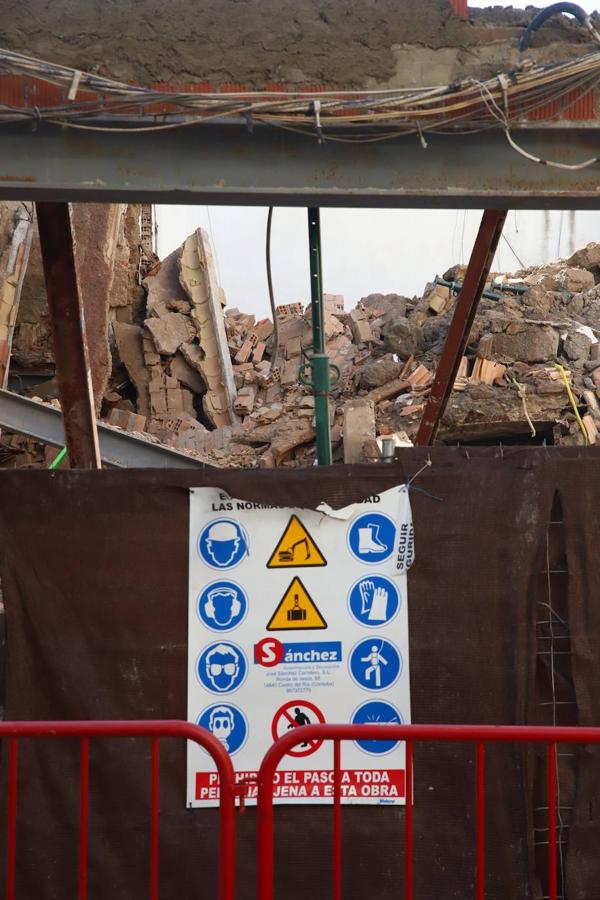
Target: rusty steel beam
x: 476, y: 275
x: 224, y: 164
x: 70, y: 341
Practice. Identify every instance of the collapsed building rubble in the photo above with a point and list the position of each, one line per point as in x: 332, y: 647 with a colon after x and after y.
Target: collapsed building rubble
x: 225, y: 387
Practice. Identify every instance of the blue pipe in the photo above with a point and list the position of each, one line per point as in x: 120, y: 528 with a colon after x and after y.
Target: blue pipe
x: 572, y: 8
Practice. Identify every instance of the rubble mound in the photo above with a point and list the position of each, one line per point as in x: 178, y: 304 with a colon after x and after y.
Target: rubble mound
x: 235, y: 391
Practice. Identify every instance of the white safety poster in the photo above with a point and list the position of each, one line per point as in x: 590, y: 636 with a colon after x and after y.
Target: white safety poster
x: 298, y: 617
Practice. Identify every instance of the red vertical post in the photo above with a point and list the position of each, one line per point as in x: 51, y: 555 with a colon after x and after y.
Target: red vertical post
x: 12, y: 820
x: 83, y: 817
x: 476, y: 275
x: 264, y: 834
x: 552, y: 856
x: 408, y: 825
x: 480, y: 822
x: 460, y: 8
x: 337, y: 821
x: 154, y: 822
x: 227, y: 832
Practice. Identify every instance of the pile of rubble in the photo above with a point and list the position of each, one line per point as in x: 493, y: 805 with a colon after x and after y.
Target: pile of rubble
x: 383, y: 354
x: 235, y: 391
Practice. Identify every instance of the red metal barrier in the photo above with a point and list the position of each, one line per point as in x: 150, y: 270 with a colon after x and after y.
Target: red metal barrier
x: 478, y: 734
x: 15, y: 731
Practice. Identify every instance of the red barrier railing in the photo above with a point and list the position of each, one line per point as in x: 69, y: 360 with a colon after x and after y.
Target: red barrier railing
x: 478, y: 734
x: 15, y: 731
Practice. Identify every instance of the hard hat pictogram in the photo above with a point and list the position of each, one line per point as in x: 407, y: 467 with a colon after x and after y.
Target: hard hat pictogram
x: 295, y: 548
x: 296, y: 610
x: 223, y: 544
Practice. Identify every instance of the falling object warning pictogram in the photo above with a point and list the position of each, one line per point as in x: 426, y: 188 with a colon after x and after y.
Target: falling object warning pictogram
x: 296, y: 611
x: 295, y: 548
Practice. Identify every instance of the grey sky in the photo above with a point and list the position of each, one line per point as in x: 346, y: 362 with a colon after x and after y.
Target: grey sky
x: 364, y: 250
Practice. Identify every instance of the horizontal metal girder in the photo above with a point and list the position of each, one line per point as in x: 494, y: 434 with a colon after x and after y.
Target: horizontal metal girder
x: 45, y: 423
x: 226, y: 164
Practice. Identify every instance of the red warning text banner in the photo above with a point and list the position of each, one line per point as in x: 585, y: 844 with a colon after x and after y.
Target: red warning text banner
x: 380, y: 784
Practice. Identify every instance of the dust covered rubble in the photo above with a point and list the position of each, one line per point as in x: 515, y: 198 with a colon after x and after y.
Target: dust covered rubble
x: 208, y: 381
x: 386, y: 351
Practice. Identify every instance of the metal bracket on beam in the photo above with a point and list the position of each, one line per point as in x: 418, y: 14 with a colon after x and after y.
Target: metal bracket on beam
x: 70, y: 341
x: 476, y: 276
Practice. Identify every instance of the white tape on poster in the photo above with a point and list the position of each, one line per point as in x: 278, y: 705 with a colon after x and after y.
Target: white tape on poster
x: 298, y: 617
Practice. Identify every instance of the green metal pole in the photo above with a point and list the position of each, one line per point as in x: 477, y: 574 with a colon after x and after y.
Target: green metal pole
x: 319, y: 359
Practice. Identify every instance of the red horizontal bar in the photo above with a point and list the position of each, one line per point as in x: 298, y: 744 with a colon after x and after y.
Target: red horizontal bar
x: 115, y: 728
x: 326, y: 732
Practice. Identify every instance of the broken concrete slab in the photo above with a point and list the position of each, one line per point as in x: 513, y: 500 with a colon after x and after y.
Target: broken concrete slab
x: 380, y: 371
x: 198, y: 277
x: 96, y: 229
x: 129, y: 343
x: 169, y: 332
x: 401, y: 336
x: 164, y: 291
x: 16, y: 234
x: 358, y: 429
x: 532, y: 343
x: 188, y: 375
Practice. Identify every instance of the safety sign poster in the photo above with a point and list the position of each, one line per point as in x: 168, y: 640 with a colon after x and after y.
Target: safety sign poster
x: 298, y: 617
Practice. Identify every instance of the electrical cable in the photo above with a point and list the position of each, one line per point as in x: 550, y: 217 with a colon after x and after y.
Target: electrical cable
x: 513, y: 251
x: 275, y: 350
x: 580, y: 422
x: 570, y: 167
x: 351, y: 117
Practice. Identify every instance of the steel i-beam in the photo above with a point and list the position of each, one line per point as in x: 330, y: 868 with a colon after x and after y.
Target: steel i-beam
x: 476, y: 275
x: 70, y: 342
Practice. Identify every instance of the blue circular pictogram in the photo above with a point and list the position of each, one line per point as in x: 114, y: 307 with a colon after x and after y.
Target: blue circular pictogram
x: 222, y: 605
x: 228, y: 724
x: 221, y: 667
x: 375, y: 664
x: 376, y: 712
x: 374, y: 600
x: 371, y: 538
x: 223, y: 544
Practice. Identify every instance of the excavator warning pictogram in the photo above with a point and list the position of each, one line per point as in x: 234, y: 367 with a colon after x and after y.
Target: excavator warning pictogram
x: 295, y: 548
x: 296, y: 610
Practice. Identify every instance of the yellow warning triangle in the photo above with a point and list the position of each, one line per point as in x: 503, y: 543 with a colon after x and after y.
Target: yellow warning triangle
x: 296, y: 611
x: 295, y: 548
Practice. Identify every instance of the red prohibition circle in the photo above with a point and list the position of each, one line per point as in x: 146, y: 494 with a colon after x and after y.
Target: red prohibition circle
x: 268, y: 652
x: 282, y: 713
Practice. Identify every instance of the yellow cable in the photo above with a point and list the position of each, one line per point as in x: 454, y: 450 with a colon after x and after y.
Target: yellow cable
x: 562, y: 371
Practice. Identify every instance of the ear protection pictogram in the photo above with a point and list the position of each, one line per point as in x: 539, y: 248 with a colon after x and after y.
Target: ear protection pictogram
x: 210, y: 609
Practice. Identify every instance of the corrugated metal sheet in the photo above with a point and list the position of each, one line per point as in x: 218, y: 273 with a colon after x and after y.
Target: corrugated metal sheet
x: 580, y: 107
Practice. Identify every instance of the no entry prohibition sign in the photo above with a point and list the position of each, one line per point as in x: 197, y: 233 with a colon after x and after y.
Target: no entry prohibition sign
x: 293, y: 715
